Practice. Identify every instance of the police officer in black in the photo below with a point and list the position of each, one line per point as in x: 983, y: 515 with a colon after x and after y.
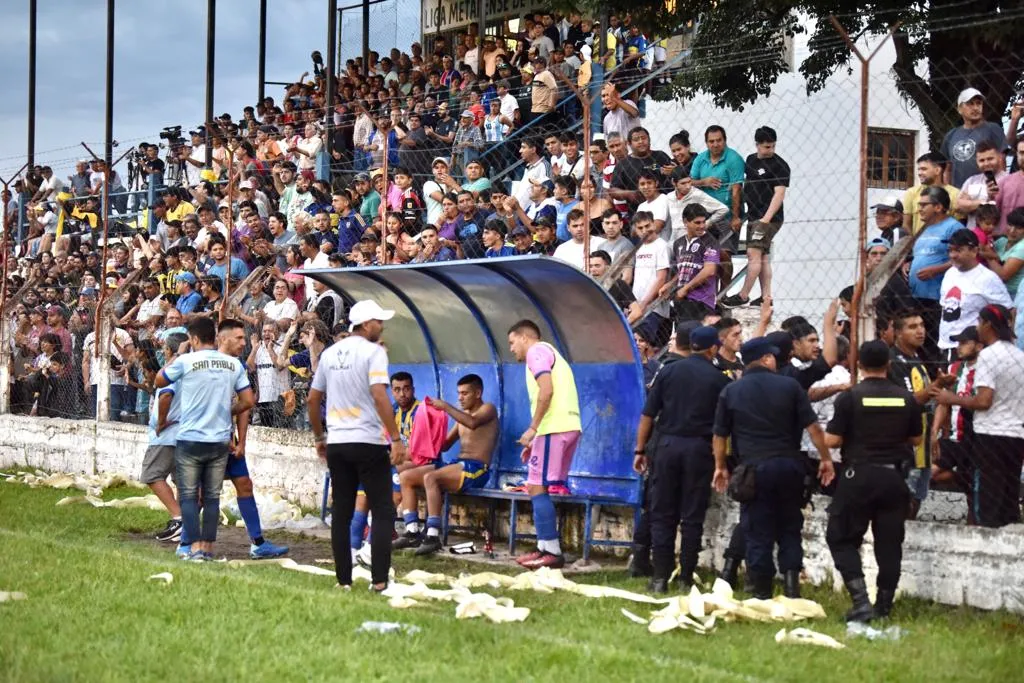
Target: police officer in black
x: 765, y: 414
x: 876, y: 423
x: 682, y: 400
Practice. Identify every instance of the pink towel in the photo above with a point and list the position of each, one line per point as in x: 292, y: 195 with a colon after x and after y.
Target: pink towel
x: 429, y: 429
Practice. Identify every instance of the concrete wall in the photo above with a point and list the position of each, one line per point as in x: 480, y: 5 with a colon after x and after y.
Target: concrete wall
x: 945, y: 562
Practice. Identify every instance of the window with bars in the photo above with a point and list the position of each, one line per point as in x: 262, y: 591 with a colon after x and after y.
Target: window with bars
x: 891, y: 158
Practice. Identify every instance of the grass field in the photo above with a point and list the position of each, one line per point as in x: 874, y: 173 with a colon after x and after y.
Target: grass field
x: 92, y: 616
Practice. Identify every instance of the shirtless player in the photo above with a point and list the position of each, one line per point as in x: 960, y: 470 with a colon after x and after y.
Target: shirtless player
x: 476, y: 427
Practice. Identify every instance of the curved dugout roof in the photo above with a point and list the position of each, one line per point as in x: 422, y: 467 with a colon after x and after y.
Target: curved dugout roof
x: 441, y: 307
x: 452, y: 319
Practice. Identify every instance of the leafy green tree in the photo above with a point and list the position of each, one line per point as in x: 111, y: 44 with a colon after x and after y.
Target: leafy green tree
x: 941, y: 47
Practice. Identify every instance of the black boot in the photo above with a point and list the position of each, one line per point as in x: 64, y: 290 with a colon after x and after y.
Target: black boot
x: 730, y: 571
x: 861, y: 610
x: 640, y: 562
x: 883, y: 603
x: 791, y: 583
x: 761, y: 586
x: 658, y: 586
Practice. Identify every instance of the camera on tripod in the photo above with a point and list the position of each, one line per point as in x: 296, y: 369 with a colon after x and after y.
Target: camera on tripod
x: 172, y: 134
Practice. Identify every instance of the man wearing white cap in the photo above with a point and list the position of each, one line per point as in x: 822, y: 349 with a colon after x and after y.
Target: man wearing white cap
x: 960, y: 144
x: 352, y: 377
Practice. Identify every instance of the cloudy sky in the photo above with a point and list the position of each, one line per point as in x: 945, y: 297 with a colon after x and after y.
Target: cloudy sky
x: 159, y: 66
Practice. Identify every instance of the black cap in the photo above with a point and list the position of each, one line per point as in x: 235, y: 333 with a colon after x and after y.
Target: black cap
x: 703, y: 338
x: 963, y: 238
x: 874, y: 355
x: 969, y: 334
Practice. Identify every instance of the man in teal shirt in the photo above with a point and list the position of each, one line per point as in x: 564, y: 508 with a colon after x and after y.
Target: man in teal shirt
x: 718, y: 170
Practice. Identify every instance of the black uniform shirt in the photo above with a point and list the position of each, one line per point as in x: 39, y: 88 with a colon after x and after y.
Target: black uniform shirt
x: 765, y: 413
x: 684, y: 396
x: 875, y: 419
x: 807, y: 374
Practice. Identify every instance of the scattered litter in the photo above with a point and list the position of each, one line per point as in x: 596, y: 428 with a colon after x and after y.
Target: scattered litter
x: 166, y: 577
x: 358, y: 573
x: 805, y: 636
x: 276, y: 512
x: 149, y: 502
x: 859, y: 629
x: 10, y: 596
x: 322, y: 560
x: 387, y: 627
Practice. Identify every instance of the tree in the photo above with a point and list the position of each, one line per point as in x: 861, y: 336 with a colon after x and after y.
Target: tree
x: 942, y: 46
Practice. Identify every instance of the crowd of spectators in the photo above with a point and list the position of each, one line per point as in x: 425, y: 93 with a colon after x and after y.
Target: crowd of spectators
x: 484, y: 158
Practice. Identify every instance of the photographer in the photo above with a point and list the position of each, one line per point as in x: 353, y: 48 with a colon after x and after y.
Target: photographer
x: 151, y: 166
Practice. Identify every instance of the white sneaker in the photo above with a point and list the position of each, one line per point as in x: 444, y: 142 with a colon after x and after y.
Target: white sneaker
x: 363, y: 555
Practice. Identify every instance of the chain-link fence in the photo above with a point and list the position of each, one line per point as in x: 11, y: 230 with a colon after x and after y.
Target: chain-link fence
x: 836, y: 213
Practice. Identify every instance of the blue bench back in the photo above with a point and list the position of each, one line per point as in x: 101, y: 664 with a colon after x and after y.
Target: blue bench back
x: 452, y: 319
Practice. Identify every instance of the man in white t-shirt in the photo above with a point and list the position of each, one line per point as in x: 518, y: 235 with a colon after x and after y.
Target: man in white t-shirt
x: 434, y: 190
x: 967, y: 288
x: 315, y: 258
x: 272, y: 376
x: 686, y: 194
x: 998, y: 406
x: 121, y: 344
x: 650, y: 272
x: 572, y: 251
x: 655, y: 203
x: 352, y: 379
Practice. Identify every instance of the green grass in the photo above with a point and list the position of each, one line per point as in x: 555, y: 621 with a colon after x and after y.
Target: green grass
x: 92, y: 616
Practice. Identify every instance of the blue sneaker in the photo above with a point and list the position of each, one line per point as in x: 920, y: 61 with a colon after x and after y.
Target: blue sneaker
x: 267, y: 551
x: 198, y: 556
x: 183, y: 551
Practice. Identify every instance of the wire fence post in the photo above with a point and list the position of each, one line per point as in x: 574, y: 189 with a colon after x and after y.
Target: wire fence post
x: 230, y: 237
x: 382, y: 257
x: 5, y: 353
x: 862, y: 327
x: 585, y: 103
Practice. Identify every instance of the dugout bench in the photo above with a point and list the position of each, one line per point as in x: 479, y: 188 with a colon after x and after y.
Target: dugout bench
x: 452, y: 319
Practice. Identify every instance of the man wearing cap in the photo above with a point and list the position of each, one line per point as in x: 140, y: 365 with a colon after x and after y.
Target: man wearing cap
x: 998, y: 404
x: 763, y: 413
x: 543, y: 95
x: 682, y: 471
x: 895, y: 295
x: 875, y: 423
x: 960, y: 144
x: 352, y: 380
x: 889, y: 219
x: 188, y: 298
x: 952, y: 425
x: 967, y: 288
x: 369, y: 198
x: 469, y: 142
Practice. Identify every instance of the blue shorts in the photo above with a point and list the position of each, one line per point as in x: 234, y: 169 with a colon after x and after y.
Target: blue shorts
x: 236, y: 468
x: 474, y: 475
x: 396, y: 486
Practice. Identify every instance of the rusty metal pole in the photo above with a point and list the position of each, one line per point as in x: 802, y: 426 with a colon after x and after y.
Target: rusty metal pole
x: 859, y: 326
x: 231, y: 229
x: 584, y: 99
x: 382, y: 259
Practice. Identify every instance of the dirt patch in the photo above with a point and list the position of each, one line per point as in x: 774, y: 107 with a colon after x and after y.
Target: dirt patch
x: 233, y: 543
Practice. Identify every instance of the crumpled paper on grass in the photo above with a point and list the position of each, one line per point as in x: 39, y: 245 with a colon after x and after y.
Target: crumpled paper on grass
x: 11, y: 596
x: 166, y: 577
x: 276, y: 512
x: 468, y: 605
x: 805, y: 636
x: 699, y: 612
